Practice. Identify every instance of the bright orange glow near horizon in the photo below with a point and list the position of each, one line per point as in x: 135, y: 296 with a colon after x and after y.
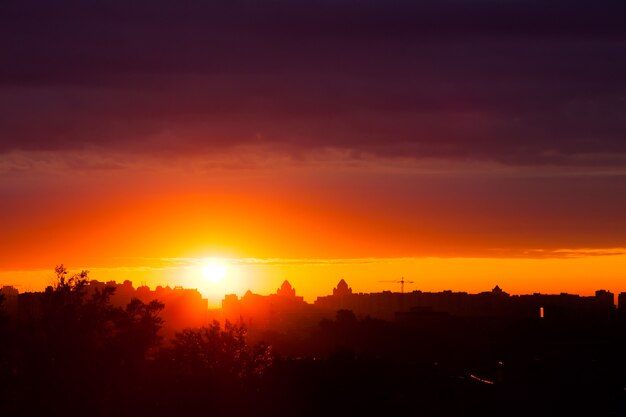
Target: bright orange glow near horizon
x: 263, y: 226
x: 317, y: 277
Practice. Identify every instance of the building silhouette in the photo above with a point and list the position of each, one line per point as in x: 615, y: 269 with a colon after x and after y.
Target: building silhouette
x: 184, y: 308
x: 285, y: 310
x: 278, y: 311
x: 10, y: 305
x: 621, y: 302
x: 496, y: 302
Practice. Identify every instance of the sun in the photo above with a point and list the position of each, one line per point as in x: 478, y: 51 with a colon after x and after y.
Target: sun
x: 214, y: 272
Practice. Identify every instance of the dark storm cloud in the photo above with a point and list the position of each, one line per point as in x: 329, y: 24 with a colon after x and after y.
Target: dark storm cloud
x: 519, y: 82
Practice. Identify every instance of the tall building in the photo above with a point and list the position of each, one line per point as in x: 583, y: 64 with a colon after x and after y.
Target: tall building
x: 621, y: 302
x: 11, y: 295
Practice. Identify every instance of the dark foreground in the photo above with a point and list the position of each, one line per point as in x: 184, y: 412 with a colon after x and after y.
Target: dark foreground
x: 84, y: 357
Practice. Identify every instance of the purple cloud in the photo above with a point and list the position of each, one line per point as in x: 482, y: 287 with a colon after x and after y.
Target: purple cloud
x: 516, y: 82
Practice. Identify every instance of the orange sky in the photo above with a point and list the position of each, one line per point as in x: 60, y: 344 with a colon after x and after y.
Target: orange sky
x: 314, y: 277
x: 466, y: 229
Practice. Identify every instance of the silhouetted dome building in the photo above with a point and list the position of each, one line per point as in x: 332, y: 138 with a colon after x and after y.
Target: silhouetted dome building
x: 286, y: 290
x: 279, y: 311
x: 498, y: 291
x: 342, y: 289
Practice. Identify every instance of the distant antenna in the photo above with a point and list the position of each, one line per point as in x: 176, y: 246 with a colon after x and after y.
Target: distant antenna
x: 401, y: 282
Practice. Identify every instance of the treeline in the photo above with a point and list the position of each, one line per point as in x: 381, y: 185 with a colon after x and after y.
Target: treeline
x: 84, y: 356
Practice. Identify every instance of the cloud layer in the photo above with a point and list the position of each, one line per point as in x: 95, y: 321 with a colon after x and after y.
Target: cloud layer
x: 515, y: 82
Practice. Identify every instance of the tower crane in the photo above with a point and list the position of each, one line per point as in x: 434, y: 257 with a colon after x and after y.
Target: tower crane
x: 401, y: 282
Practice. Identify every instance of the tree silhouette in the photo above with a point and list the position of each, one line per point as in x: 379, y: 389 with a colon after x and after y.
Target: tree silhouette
x: 71, y: 319
x: 138, y: 328
x: 82, y: 352
x: 211, y: 366
x: 66, y: 295
x: 346, y: 318
x: 221, y: 353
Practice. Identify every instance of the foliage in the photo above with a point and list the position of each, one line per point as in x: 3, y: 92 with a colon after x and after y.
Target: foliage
x: 219, y: 352
x: 138, y: 327
x: 77, y: 354
x: 64, y: 299
x: 71, y: 319
x: 346, y: 318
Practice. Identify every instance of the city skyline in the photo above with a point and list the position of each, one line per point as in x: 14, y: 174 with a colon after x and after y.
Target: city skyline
x: 314, y: 277
x: 399, y: 287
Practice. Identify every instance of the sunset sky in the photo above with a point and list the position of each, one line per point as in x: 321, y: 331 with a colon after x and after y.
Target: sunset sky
x: 458, y: 143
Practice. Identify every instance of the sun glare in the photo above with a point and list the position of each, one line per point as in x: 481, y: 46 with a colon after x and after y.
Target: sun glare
x: 214, y: 271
